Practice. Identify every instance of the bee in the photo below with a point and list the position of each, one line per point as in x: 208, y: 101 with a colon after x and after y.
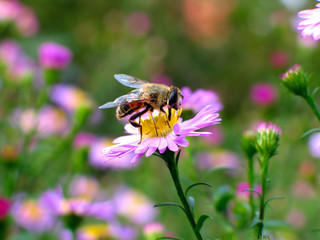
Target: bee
x: 145, y: 98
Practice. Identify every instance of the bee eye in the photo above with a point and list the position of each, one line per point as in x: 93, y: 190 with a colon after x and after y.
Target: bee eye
x: 173, y: 98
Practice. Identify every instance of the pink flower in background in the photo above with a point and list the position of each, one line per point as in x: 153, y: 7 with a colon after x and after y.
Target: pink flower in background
x: 84, y: 139
x: 310, y: 25
x: 263, y: 94
x: 314, y: 145
x: 134, y: 206
x: 54, y: 56
x: 153, y: 228
x: 217, y: 136
x: 172, y: 138
x: 58, y: 205
x: 10, y: 51
x: 22, y: 16
x: 50, y: 120
x: 31, y: 215
x: 216, y: 160
x: 69, y: 97
x: 5, y: 205
x: 98, y: 160
x: 297, y: 219
x: 241, y: 193
x: 139, y: 23
x: 279, y: 59
x: 199, y: 99
x: 84, y: 187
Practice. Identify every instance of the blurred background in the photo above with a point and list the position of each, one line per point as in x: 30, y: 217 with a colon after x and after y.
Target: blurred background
x: 236, y: 49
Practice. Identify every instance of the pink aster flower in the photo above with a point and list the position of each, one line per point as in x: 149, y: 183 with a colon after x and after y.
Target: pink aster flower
x: 263, y: 94
x: 162, y: 137
x: 199, y: 99
x: 58, y: 205
x: 54, y: 56
x: 310, y: 25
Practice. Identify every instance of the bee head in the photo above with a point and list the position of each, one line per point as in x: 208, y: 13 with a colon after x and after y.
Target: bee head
x: 175, y: 98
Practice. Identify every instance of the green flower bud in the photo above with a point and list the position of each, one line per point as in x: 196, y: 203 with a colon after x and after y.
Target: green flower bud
x: 296, y: 81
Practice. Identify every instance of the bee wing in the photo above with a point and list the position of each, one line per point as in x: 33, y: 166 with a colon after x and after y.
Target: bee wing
x: 129, y: 81
x: 113, y: 104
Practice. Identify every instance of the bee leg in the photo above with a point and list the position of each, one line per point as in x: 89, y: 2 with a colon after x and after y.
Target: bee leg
x: 162, y: 110
x: 138, y: 115
x: 169, y: 114
x: 154, y: 123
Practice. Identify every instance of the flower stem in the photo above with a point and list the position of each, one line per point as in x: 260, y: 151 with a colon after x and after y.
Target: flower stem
x: 264, y: 175
x: 251, y: 184
x: 174, y: 171
x: 313, y: 106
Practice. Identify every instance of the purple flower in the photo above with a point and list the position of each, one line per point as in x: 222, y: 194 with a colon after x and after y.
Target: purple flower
x: 314, y: 145
x: 163, y: 136
x: 55, y: 202
x: 54, y: 56
x: 310, y: 25
x: 199, y: 99
x: 31, y: 215
x: 263, y: 94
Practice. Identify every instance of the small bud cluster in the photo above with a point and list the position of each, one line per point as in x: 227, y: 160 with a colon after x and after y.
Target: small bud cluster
x: 267, y: 139
x: 296, y: 81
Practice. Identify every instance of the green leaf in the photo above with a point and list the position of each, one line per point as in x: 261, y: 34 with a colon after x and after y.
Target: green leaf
x: 271, y: 199
x: 174, y: 238
x: 316, y: 230
x: 314, y: 91
x: 201, y: 221
x: 309, y: 132
x: 276, y: 224
x: 196, y: 184
x: 252, y: 190
x: 168, y: 204
x: 191, y: 202
x: 255, y: 222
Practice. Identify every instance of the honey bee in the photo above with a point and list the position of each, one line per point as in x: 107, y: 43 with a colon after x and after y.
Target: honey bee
x: 145, y: 98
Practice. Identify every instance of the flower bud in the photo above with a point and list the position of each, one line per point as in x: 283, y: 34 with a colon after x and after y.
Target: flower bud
x: 4, y: 207
x: 296, y: 81
x: 267, y: 139
x: 247, y: 143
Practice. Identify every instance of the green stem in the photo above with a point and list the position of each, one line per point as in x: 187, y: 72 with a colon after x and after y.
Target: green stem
x: 173, y: 168
x: 251, y: 183
x: 264, y: 175
x: 313, y: 106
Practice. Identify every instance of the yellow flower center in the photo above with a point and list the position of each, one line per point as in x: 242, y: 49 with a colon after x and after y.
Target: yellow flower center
x: 98, y: 231
x: 159, y: 125
x: 32, y: 211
